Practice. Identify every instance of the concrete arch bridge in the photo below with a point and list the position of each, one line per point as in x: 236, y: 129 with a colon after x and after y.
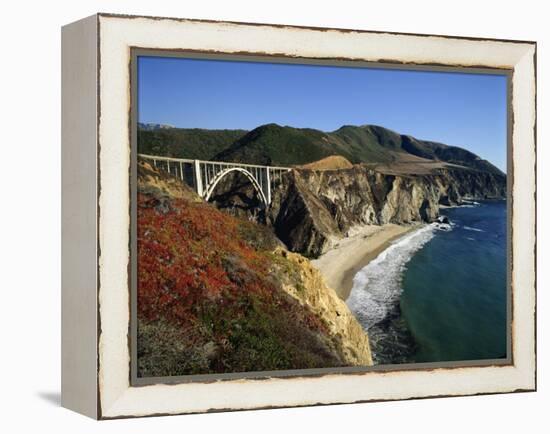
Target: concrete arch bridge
x: 204, y: 176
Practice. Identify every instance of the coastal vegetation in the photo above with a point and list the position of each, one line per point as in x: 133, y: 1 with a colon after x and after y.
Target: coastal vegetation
x: 221, y: 294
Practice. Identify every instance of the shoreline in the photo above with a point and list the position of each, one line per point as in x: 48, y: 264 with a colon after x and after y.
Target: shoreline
x: 340, y: 264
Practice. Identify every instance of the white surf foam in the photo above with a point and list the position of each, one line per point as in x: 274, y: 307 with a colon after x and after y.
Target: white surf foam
x: 443, y: 226
x: 377, y: 287
x: 468, y: 228
x: 464, y: 204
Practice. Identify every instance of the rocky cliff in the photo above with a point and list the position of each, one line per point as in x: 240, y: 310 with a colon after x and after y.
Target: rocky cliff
x: 314, y: 208
x: 325, y: 303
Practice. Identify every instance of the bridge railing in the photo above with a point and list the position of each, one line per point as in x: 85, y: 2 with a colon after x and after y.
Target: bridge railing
x: 221, y: 163
x: 180, y: 168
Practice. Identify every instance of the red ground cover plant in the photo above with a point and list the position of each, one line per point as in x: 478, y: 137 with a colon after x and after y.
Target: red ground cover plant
x: 210, y: 298
x: 181, y: 257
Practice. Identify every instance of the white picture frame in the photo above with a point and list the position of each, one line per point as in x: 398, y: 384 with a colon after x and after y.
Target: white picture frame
x: 96, y: 111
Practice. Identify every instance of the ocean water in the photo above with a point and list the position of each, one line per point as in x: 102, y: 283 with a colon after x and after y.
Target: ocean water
x: 439, y: 293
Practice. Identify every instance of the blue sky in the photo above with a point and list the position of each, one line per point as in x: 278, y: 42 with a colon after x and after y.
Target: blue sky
x: 467, y: 110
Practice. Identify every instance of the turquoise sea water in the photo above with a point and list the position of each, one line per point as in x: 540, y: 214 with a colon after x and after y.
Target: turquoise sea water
x: 439, y: 293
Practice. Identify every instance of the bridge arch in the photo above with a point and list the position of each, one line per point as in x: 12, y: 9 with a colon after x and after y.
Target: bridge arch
x: 212, y: 185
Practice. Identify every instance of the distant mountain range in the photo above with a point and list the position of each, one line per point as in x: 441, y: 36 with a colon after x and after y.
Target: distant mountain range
x: 152, y: 126
x: 272, y: 144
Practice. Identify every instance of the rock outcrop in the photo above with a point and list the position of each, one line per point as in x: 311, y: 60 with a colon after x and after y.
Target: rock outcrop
x: 312, y: 208
x: 313, y: 293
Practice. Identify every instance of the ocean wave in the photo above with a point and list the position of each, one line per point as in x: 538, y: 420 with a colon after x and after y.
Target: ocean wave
x: 468, y: 228
x: 464, y: 204
x: 377, y: 287
x: 468, y: 204
x: 446, y: 227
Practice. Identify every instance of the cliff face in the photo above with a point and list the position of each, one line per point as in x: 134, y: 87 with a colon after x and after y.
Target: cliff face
x: 324, y: 302
x: 314, y: 208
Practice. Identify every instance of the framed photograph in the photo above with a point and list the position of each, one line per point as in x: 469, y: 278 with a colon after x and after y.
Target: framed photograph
x: 262, y: 216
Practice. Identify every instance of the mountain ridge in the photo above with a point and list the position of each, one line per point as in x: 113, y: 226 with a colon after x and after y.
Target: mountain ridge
x: 274, y: 144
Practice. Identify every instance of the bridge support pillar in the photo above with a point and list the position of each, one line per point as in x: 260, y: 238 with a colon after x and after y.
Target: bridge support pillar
x: 198, y: 177
x: 268, y: 186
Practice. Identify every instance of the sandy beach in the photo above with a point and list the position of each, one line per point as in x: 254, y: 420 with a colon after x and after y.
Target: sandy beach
x: 340, y: 264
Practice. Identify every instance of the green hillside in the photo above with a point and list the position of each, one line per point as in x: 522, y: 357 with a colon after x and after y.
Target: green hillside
x: 366, y: 144
x: 186, y: 142
x: 276, y: 145
x: 272, y: 144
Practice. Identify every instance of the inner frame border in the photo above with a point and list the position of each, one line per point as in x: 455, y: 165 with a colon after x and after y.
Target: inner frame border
x: 136, y: 52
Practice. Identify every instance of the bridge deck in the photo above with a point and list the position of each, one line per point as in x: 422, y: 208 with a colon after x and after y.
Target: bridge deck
x: 223, y: 163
